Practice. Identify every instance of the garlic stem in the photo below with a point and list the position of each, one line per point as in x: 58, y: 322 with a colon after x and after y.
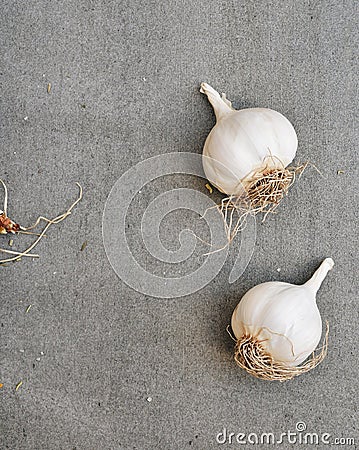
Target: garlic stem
x: 317, y: 279
x: 220, y: 105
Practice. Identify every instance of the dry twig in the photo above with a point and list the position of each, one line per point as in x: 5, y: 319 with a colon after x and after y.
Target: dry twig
x: 10, y: 227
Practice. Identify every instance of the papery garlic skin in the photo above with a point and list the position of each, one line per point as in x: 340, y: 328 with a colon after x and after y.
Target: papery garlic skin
x: 242, y: 142
x: 283, y: 317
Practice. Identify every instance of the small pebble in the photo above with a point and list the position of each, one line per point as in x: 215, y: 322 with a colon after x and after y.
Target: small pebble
x: 22, y: 350
x: 38, y: 359
x: 149, y: 399
x: 279, y: 269
x: 25, y: 118
x: 55, y: 273
x: 42, y: 353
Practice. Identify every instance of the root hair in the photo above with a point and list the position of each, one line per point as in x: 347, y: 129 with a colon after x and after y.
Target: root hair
x: 250, y: 355
x: 261, y: 192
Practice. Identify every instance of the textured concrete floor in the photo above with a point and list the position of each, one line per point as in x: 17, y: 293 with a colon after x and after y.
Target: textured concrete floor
x: 124, y: 87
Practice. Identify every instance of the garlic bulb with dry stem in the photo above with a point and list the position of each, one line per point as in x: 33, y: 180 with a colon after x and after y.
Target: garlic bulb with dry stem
x: 278, y: 325
x: 247, y: 152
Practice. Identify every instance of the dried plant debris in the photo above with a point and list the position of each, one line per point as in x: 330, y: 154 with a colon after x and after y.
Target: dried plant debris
x: 261, y: 193
x: 209, y: 188
x: 8, y: 226
x: 250, y: 356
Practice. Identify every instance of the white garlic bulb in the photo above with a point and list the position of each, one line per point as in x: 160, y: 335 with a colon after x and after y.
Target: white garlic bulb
x: 244, y: 141
x: 246, y: 146
x: 281, y: 323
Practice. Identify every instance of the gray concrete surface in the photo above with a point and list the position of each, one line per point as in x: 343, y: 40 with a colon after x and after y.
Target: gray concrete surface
x: 125, y: 78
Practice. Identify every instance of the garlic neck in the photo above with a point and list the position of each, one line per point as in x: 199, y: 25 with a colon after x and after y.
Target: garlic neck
x: 315, y: 282
x: 221, y: 105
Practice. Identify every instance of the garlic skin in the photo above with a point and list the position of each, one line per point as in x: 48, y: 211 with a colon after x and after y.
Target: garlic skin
x: 244, y: 142
x: 283, y: 318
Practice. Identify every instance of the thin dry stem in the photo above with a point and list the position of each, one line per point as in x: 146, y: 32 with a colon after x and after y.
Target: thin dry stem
x: 5, y: 197
x: 57, y: 219
x: 50, y: 222
x: 11, y: 252
x: 21, y: 231
x: 6, y: 224
x: 250, y: 355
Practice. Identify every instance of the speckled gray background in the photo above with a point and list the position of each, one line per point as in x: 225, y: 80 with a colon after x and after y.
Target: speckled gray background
x: 125, y: 78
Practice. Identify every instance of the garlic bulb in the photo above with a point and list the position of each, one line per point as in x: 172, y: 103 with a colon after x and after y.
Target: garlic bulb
x: 278, y: 325
x: 249, y: 149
